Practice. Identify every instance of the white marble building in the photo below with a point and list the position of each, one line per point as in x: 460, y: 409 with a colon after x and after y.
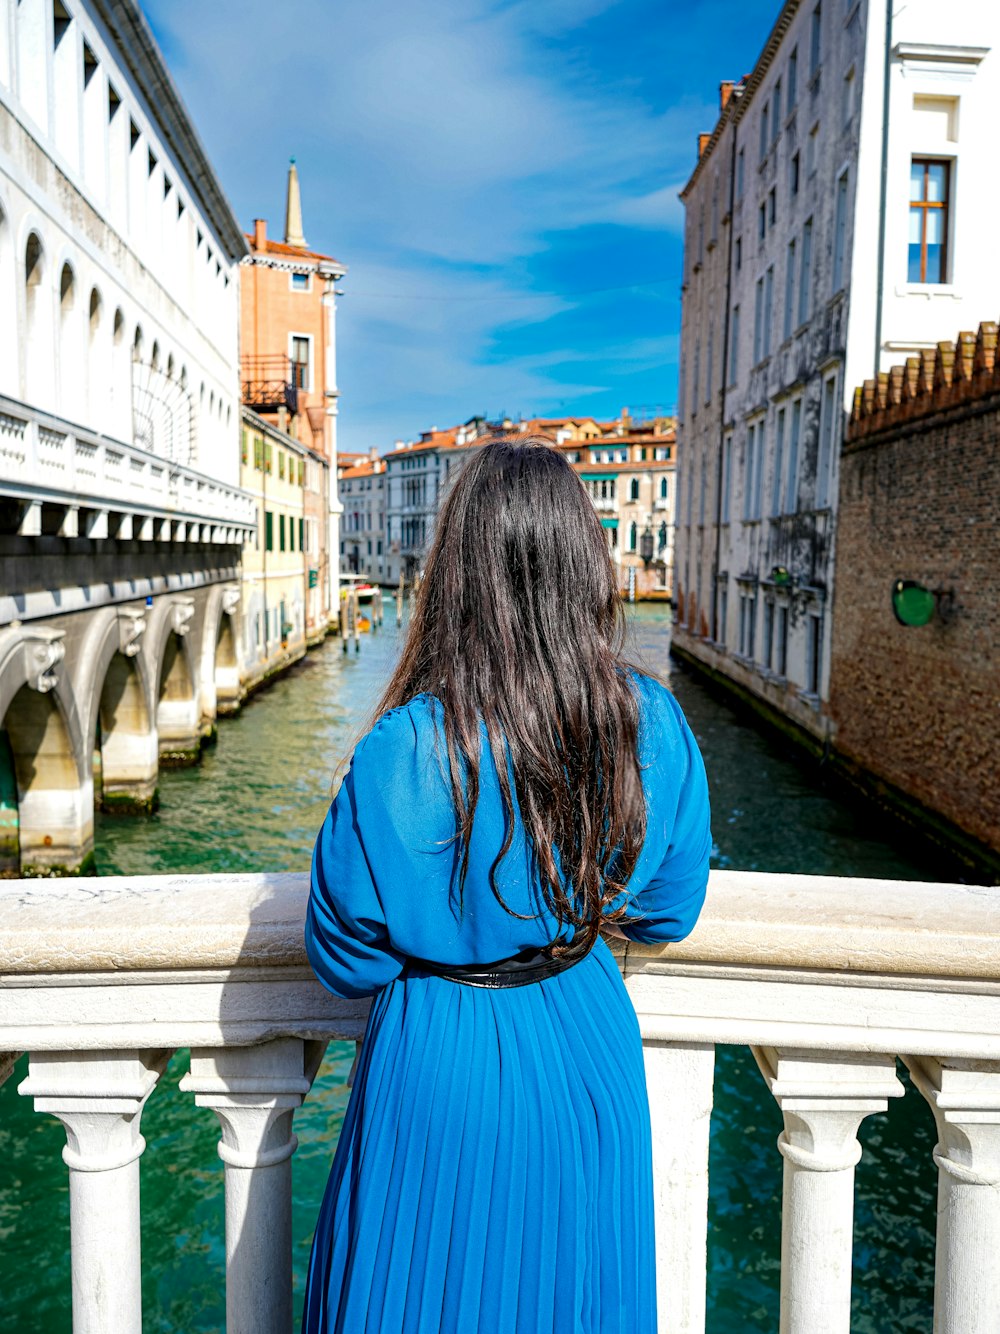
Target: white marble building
x: 838, y: 219
x: 121, y: 516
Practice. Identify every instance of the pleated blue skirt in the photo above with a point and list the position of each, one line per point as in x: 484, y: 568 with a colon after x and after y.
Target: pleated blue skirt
x: 494, y: 1171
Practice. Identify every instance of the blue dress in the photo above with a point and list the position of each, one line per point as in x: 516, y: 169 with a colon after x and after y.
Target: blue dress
x: 494, y: 1168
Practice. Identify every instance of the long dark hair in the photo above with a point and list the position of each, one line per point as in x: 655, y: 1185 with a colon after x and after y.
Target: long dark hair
x: 518, y: 624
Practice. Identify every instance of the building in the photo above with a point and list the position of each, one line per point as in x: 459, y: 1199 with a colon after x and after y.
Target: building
x: 121, y: 516
x: 282, y: 475
x: 288, y: 367
x: 787, y: 304
x: 362, y: 495
x: 629, y: 475
x: 916, y: 636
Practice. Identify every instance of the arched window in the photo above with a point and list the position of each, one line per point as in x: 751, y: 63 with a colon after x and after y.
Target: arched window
x: 170, y: 367
x: 95, y: 310
x: 137, y: 344
x: 154, y: 360
x: 632, y: 535
x: 67, y: 289
x: 661, y: 538
x: 118, y: 327
x: 634, y: 489
x: 663, y: 488
x: 33, y: 256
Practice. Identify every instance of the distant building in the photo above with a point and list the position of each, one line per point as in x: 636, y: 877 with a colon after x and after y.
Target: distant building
x: 288, y: 368
x: 362, y: 494
x: 821, y: 243
x: 121, y: 515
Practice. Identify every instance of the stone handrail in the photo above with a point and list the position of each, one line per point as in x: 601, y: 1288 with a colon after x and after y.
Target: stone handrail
x: 827, y: 979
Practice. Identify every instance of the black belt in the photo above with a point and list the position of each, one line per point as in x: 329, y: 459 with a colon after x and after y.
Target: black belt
x: 520, y: 970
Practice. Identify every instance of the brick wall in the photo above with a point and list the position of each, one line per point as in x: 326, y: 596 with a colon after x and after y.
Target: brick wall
x: 917, y: 710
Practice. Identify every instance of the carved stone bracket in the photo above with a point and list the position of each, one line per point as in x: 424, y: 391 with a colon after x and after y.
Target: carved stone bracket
x: 231, y: 599
x: 45, y: 649
x: 131, y: 625
x: 181, y: 614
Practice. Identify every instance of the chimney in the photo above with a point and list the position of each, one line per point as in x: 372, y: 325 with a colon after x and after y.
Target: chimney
x: 293, y: 209
x: 702, y: 144
x: 260, y: 233
x: 725, y: 93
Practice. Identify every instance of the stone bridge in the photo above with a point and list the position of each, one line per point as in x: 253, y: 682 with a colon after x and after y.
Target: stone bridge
x: 93, y: 703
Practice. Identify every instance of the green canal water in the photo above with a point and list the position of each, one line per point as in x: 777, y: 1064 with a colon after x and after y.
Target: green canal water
x: 255, y: 805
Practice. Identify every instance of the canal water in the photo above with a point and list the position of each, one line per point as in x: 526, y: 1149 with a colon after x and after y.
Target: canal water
x: 255, y: 805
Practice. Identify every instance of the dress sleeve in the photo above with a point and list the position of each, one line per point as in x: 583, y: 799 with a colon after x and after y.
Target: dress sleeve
x: 667, y: 907
x: 346, y: 936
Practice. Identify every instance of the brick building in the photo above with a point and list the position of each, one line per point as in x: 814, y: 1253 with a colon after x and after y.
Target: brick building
x: 916, y: 708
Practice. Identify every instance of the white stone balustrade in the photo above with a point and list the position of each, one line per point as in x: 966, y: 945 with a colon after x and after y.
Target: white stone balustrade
x: 828, y: 980
x: 45, y: 460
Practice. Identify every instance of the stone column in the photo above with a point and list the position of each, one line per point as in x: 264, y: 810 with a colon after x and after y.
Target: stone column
x: 679, y: 1080
x: 99, y: 1097
x: 824, y: 1097
x: 129, y: 745
x: 964, y: 1096
x: 254, y: 1091
x: 178, y: 713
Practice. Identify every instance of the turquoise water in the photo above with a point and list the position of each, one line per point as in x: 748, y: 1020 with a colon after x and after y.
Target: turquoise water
x: 255, y: 804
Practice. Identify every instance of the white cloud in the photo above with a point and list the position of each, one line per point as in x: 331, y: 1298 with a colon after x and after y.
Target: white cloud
x: 441, y: 145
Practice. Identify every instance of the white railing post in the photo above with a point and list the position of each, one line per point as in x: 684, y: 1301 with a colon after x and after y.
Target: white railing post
x: 824, y: 1097
x: 965, y: 1098
x: 679, y: 1080
x: 254, y: 1091
x: 99, y: 1097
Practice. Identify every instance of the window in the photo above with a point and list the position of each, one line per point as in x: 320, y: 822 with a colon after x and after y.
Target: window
x: 634, y: 489
x: 776, y: 110
x: 804, y: 272
x: 814, y: 649
x: 300, y: 361
x: 727, y: 474
x: 281, y: 532
x: 812, y: 150
x: 281, y: 464
x: 768, y: 308
x: 258, y: 453
x: 738, y: 253
x: 663, y: 488
x: 793, y: 175
x: 268, y: 531
x: 300, y: 282
x: 789, y: 317
x: 792, y: 479
x: 723, y: 613
x: 739, y: 174
x: 661, y: 537
x: 772, y: 206
x: 828, y: 440
x: 765, y: 130
x: 840, y: 234
x: 779, y: 450
x: 847, y: 98
x: 793, y: 77
x: 734, y: 345
x: 758, y: 315
x: 815, y: 36
x: 783, y: 640
x: 929, y: 200
x: 762, y: 222
x: 768, y: 656
x: 632, y: 535
x: 748, y: 466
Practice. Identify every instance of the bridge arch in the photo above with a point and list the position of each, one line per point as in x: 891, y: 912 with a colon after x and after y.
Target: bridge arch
x: 51, y: 829
x: 116, y: 692
x: 176, y: 678
x: 221, y: 659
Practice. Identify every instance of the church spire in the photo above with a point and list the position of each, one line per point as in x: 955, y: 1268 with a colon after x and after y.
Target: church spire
x: 293, y: 209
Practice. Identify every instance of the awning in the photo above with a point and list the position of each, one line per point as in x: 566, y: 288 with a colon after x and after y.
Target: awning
x: 608, y: 475
x: 609, y: 523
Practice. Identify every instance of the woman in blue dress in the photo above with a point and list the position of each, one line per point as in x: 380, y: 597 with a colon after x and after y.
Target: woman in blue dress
x: 522, y: 791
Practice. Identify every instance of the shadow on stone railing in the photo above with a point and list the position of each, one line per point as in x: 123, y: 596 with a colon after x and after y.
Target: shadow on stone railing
x: 941, y: 377
x: 827, y: 980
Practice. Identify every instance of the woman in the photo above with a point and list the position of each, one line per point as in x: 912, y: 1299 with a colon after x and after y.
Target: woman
x: 523, y: 789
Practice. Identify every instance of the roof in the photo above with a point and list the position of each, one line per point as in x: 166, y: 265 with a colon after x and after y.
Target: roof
x: 282, y: 250
x: 144, y: 61
x: 367, y: 469
x: 642, y: 465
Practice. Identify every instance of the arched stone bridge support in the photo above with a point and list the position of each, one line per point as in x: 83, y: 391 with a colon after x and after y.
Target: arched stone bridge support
x: 93, y: 704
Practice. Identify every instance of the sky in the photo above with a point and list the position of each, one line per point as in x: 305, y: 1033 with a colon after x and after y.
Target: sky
x: 500, y: 178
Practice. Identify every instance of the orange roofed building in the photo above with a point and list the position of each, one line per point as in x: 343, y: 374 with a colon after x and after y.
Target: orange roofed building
x: 288, y: 368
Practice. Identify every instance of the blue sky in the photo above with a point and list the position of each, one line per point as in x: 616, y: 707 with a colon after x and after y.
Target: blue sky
x: 499, y: 176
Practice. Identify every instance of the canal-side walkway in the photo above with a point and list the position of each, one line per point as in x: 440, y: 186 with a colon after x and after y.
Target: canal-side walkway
x: 254, y: 805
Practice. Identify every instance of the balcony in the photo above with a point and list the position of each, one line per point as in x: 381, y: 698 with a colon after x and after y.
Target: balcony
x: 827, y: 980
x: 269, y: 383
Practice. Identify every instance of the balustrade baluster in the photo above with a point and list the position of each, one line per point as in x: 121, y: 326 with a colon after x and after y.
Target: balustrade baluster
x: 823, y: 1097
x: 254, y: 1092
x: 99, y: 1097
x: 964, y: 1096
x: 679, y: 1080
